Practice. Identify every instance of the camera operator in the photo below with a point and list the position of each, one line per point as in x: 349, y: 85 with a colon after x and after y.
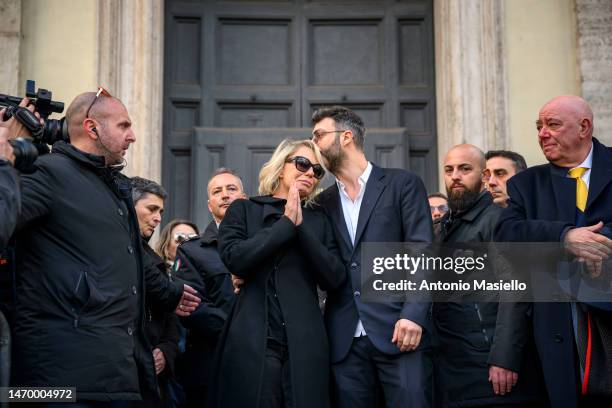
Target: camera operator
x: 81, y: 282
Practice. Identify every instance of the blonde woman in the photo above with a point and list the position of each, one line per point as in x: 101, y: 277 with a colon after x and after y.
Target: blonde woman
x: 275, y: 351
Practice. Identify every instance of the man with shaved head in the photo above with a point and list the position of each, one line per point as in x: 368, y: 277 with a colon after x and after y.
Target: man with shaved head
x: 568, y: 200
x: 81, y: 279
x: 477, y: 362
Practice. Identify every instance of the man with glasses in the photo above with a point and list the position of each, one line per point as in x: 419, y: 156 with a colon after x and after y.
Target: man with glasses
x: 379, y: 351
x: 80, y: 285
x: 199, y: 263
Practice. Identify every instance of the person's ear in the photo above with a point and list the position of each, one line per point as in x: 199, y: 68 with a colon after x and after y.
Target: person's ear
x: 90, y: 127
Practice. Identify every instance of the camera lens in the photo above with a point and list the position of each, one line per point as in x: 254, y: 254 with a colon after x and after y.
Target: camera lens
x: 25, y: 154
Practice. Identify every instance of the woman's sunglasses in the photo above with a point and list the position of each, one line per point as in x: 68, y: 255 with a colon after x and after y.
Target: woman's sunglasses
x: 303, y: 164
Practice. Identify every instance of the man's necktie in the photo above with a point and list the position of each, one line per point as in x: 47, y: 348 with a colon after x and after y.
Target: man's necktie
x: 584, y: 345
x: 582, y: 190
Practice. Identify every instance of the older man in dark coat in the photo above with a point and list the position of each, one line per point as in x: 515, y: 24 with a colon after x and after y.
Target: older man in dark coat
x: 567, y: 200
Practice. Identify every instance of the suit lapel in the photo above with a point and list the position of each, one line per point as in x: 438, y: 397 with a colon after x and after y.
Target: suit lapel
x: 331, y: 202
x: 374, y: 188
x: 601, y: 172
x: 564, y: 189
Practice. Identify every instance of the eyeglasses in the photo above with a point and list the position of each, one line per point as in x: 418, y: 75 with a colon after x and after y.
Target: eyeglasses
x: 320, y: 133
x: 180, y: 237
x: 101, y: 91
x: 442, y: 208
x: 303, y: 164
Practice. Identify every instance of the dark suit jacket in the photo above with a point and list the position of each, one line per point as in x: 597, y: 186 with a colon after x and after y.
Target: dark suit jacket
x: 394, y: 209
x: 542, y: 208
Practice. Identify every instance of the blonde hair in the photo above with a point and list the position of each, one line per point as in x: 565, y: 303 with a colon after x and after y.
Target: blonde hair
x: 269, y: 175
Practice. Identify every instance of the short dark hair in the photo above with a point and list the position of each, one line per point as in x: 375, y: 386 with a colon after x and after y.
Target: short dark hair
x: 438, y: 195
x: 226, y: 170
x: 345, y: 119
x: 142, y: 186
x: 517, y: 160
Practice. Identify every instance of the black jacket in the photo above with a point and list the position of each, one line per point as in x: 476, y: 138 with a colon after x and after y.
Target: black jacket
x: 255, y: 239
x: 161, y: 326
x: 473, y: 335
x: 9, y: 201
x: 80, y: 304
x: 200, y: 265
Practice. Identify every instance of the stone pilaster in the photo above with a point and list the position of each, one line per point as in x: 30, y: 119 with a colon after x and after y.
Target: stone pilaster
x: 594, y: 23
x: 470, y: 74
x: 130, y: 64
x: 10, y: 39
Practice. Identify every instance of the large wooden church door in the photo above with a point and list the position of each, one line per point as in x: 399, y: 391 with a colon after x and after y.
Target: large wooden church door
x: 242, y: 75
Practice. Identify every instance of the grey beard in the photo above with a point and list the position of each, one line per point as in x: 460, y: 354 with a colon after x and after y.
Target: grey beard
x: 459, y: 202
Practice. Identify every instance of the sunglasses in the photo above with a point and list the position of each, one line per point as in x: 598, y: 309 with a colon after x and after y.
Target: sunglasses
x: 180, y: 237
x: 101, y: 91
x: 303, y: 164
x: 442, y: 208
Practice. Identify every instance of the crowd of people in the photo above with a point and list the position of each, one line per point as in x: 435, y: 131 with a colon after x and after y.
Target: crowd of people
x: 264, y: 307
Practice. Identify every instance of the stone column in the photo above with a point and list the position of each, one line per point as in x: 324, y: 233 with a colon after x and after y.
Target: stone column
x: 130, y: 65
x: 10, y: 38
x: 594, y: 23
x: 470, y: 74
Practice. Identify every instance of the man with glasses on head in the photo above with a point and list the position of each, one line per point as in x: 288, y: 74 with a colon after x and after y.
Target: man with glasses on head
x: 80, y: 284
x: 379, y: 351
x: 199, y: 263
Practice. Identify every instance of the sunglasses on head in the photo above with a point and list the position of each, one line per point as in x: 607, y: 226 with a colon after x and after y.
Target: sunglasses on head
x: 101, y: 91
x: 303, y: 164
x: 180, y: 237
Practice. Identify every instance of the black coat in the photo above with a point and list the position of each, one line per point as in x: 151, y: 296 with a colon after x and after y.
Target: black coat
x: 473, y: 335
x: 161, y: 326
x: 80, y: 304
x: 255, y: 239
x: 9, y: 201
x: 541, y: 208
x: 200, y: 265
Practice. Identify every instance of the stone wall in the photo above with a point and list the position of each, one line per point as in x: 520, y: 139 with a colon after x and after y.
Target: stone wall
x: 10, y: 37
x: 594, y: 22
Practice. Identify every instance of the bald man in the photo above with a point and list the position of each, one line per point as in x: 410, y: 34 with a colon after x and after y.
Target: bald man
x: 568, y: 200
x: 477, y: 362
x: 80, y: 286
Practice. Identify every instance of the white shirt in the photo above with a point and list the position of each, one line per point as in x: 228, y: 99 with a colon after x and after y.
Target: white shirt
x: 350, y: 209
x: 587, y: 163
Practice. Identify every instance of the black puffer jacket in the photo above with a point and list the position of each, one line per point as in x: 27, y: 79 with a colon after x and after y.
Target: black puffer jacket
x: 80, y: 303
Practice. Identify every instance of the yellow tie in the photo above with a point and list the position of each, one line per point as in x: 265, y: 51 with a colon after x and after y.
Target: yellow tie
x: 582, y: 190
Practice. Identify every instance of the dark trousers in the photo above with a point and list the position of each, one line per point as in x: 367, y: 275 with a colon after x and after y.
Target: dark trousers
x: 276, y: 387
x: 368, y: 378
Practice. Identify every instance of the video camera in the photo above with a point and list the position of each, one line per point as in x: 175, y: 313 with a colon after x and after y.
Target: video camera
x: 45, y: 134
